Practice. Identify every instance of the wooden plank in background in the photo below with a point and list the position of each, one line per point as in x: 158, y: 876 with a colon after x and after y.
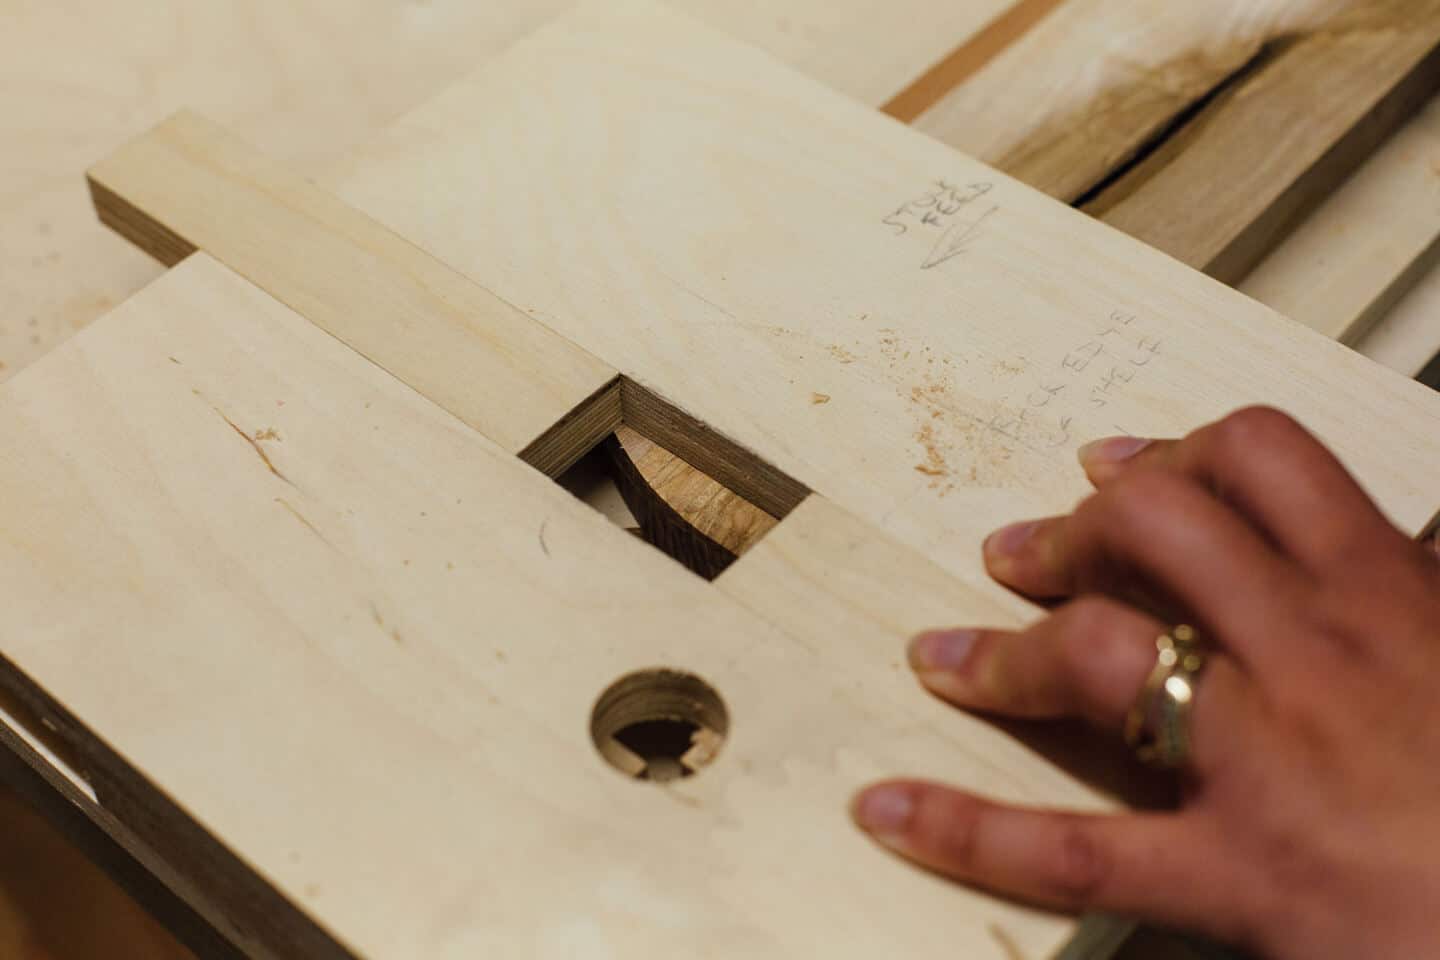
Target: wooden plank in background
x: 1242, y: 115
x: 1229, y: 185
x: 967, y: 59
x: 1367, y: 244
x: 1081, y: 93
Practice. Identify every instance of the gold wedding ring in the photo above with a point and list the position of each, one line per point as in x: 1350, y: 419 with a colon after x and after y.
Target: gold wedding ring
x: 1157, y: 727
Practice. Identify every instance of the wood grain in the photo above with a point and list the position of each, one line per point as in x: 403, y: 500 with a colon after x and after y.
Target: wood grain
x: 681, y: 509
x: 1408, y: 337
x: 1206, y: 130
x: 1346, y: 265
x: 1367, y: 244
x: 306, y: 80
x: 925, y: 366
x: 1219, y: 197
x: 968, y: 58
x: 1082, y: 93
x: 963, y: 362
x: 189, y: 184
x: 314, y: 125
x: 384, y: 660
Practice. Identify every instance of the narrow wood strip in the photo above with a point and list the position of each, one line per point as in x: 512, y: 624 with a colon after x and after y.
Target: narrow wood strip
x: 188, y: 184
x: 967, y: 59
x: 1408, y: 337
x: 1367, y: 244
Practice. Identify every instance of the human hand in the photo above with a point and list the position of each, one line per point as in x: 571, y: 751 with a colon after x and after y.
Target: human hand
x: 1310, y: 824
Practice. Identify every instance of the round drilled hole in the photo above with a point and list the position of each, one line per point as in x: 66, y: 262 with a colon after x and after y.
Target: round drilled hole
x: 659, y: 725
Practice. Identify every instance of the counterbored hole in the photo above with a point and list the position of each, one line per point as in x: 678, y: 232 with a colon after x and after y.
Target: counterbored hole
x: 659, y: 724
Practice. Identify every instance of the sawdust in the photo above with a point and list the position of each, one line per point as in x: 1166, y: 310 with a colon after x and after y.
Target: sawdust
x: 934, y: 466
x: 923, y: 376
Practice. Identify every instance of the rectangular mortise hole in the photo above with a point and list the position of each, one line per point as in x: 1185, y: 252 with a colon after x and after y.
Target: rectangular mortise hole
x: 683, y: 487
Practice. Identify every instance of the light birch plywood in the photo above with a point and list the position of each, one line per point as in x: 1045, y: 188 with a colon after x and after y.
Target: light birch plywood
x: 510, y: 378
x: 359, y: 643
x: 1049, y: 265
x: 739, y: 240
x: 307, y: 79
x: 1408, y: 337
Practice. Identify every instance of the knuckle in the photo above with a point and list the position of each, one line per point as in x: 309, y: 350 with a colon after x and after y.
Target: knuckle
x: 1106, y: 647
x: 1085, y: 617
x: 1084, y: 636
x: 1082, y: 865
x: 1131, y: 500
x: 1252, y: 428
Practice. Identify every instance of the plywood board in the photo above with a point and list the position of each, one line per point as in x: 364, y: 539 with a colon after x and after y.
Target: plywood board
x: 387, y: 636
x: 366, y: 663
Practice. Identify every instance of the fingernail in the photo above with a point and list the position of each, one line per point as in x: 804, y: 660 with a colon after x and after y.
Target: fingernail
x: 1007, y: 541
x: 1110, y: 451
x: 941, y: 649
x: 884, y: 810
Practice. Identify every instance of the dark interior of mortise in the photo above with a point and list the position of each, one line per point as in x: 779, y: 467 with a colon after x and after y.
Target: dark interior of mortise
x: 661, y: 744
x: 659, y: 724
x: 684, y: 488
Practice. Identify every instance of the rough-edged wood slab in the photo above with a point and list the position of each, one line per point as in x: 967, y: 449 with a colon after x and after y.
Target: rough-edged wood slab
x: 1206, y: 130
